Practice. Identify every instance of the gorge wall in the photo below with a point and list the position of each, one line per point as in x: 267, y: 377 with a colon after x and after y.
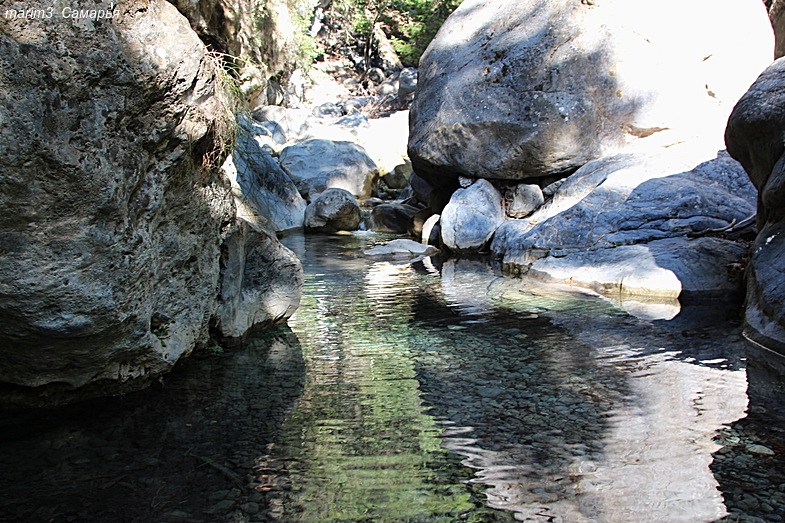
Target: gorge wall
x: 120, y: 251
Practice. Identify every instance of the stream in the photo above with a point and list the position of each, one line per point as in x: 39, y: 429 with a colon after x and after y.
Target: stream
x: 437, y: 391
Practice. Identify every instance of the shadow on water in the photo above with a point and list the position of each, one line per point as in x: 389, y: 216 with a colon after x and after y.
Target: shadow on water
x: 193, y: 448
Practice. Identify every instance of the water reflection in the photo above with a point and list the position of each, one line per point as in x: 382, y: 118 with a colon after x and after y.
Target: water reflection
x: 438, y: 391
x: 564, y: 406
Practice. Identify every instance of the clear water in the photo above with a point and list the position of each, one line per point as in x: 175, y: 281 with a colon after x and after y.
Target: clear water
x: 420, y: 393
x: 560, y: 406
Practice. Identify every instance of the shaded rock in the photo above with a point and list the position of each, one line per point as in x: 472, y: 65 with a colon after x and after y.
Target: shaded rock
x: 396, y: 218
x: 114, y: 209
x: 435, y: 197
x: 317, y: 165
x: 629, y: 199
x: 402, y: 248
x: 754, y: 137
x: 261, y: 189
x: 525, y: 199
x: 472, y: 216
x: 518, y: 90
x: 333, y: 210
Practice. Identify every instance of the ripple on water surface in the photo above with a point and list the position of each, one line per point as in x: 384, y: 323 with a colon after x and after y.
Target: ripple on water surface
x: 559, y: 405
x: 437, y: 391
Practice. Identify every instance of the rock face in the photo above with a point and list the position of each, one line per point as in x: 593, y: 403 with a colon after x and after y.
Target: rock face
x: 472, y: 216
x: 266, y: 36
x: 261, y: 188
x: 318, y: 165
x: 113, y: 209
x: 332, y: 211
x: 514, y: 90
x: 608, y: 206
x: 754, y: 138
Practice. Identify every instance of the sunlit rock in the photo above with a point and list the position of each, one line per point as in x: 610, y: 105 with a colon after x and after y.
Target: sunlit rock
x: 623, y: 223
x: 261, y: 189
x: 333, y: 210
x: 318, y: 165
x: 470, y: 219
x: 402, y: 248
x: 513, y: 90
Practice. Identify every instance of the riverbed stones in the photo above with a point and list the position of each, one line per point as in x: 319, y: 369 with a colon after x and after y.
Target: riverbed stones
x: 513, y: 90
x: 332, y: 211
x: 471, y: 217
x: 317, y: 165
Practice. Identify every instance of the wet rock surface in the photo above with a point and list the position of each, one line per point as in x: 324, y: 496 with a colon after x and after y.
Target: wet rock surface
x: 753, y: 136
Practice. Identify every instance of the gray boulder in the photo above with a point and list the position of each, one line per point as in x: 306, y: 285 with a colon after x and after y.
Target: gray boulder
x: 513, y: 90
x: 261, y: 189
x: 396, y: 218
x: 472, y: 216
x: 632, y: 200
x: 754, y: 137
x: 317, y: 165
x: 525, y: 199
x: 332, y: 211
x: 113, y: 208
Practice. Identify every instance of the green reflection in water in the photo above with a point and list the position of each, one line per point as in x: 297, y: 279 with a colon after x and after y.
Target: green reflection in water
x: 362, y: 446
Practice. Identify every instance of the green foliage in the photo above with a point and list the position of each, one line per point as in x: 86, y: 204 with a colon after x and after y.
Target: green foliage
x: 409, y: 24
x: 412, y: 24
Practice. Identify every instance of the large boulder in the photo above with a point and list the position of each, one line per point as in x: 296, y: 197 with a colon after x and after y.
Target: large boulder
x: 755, y: 137
x: 472, y: 216
x: 513, y: 90
x: 332, y: 211
x: 317, y: 165
x: 604, y: 220
x: 261, y: 189
x: 113, y: 205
